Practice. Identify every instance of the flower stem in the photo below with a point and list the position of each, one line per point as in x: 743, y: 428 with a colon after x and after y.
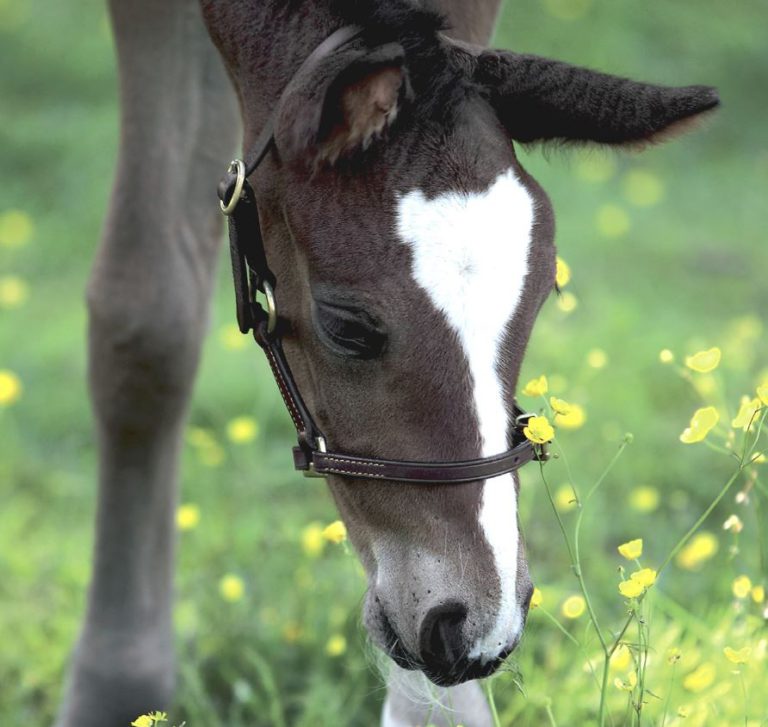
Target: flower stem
x: 606, y: 666
x: 746, y: 701
x: 669, y: 695
x: 548, y: 708
x: 681, y: 543
x: 575, y: 556
x: 560, y: 627
x: 488, y: 685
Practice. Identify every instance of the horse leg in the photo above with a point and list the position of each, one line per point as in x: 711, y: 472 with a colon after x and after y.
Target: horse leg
x: 413, y: 701
x: 148, y: 306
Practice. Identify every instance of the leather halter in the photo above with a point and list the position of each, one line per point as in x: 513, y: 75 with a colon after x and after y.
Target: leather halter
x: 251, y: 273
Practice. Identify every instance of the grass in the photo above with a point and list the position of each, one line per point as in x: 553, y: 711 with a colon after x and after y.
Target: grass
x: 684, y: 273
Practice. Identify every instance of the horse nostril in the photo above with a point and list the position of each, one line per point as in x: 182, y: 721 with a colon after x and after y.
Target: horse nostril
x: 440, y: 639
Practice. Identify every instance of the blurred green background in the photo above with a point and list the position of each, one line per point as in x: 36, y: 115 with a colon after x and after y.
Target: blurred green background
x: 668, y: 251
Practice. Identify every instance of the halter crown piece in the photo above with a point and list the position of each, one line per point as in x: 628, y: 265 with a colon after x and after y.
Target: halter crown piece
x: 252, y: 274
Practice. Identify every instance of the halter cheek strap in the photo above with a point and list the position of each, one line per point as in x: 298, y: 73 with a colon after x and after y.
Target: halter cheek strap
x: 251, y: 275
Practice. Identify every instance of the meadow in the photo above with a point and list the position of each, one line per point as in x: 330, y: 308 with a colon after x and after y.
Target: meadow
x: 667, y: 257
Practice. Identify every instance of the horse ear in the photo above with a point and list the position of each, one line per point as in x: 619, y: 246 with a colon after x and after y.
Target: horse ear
x: 538, y: 99
x: 341, y: 105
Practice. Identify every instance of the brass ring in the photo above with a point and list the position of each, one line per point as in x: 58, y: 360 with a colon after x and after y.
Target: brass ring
x: 269, y: 294
x: 236, y: 165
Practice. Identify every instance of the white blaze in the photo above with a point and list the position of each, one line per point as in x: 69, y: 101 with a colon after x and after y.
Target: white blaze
x: 470, y: 254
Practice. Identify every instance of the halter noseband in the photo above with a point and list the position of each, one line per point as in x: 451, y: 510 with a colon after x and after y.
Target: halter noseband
x: 252, y: 274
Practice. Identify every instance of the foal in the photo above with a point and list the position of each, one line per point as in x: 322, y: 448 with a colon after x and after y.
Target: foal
x: 412, y: 254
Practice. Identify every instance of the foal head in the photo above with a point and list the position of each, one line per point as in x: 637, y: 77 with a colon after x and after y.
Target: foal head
x: 412, y: 253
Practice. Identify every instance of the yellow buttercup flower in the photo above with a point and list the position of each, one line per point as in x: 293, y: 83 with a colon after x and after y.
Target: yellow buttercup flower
x: 574, y: 419
x: 747, y: 327
x: 704, y: 361
x: 632, y: 549
x: 536, y: 387
x: 539, y: 430
x: 13, y: 292
x: 666, y: 356
x: 638, y: 583
x: 597, y: 358
x: 209, y: 451
x: 631, y: 588
x: 312, y: 540
x: 10, y: 388
x: 700, y: 678
x: 747, y: 413
x: 536, y: 599
x: 199, y: 437
x: 737, y: 656
x: 702, y: 423
x: 594, y: 168
x: 644, y: 499
x: 187, y: 517
x: 242, y: 430
x: 646, y: 577
x: 705, y: 385
x: 336, y: 645
x: 336, y: 532
x: 147, y: 720
x: 559, y: 406
x: 567, y: 302
x: 621, y: 659
x: 701, y: 548
x: 758, y: 594
x: 762, y: 394
x: 565, y: 498
x: 231, y: 588
x: 231, y: 338
x: 643, y: 188
x: 573, y: 607
x: 211, y: 456
x: 16, y: 228
x: 629, y: 684
x: 742, y: 586
x: 562, y: 273
x: 612, y: 221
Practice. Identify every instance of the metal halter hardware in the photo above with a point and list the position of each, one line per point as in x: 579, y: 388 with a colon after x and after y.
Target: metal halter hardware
x: 252, y: 275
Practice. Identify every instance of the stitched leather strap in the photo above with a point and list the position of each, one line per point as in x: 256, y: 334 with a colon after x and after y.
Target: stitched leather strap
x: 331, y: 463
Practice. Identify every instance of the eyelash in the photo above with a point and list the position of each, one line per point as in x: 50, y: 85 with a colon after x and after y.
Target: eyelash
x: 348, y: 332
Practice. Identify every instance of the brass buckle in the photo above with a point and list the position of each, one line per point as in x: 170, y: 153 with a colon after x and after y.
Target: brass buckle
x: 310, y: 473
x: 269, y: 294
x: 235, y: 166
x: 522, y: 420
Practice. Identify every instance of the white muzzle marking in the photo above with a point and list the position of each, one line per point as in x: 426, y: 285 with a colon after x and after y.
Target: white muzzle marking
x: 470, y: 254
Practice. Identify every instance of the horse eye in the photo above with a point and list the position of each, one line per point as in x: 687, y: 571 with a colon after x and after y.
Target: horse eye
x: 349, y: 332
